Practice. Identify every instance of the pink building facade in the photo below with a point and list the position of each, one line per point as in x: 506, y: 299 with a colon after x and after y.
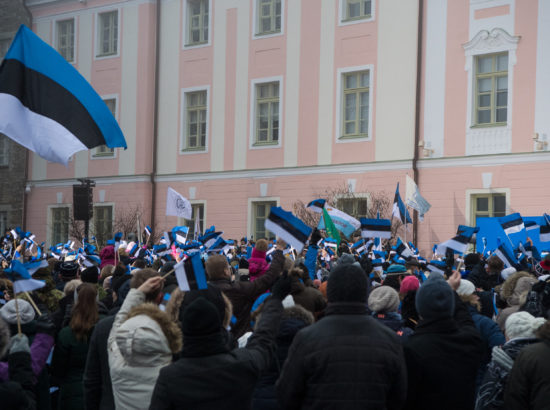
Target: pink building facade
x: 262, y: 102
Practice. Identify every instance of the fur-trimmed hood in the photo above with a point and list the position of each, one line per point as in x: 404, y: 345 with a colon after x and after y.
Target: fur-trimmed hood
x: 513, y: 287
x: 147, y: 336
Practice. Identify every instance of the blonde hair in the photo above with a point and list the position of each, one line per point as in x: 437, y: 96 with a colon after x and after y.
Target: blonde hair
x: 71, y: 286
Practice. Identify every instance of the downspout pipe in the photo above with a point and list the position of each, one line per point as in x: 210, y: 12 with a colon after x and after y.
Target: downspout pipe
x: 27, y: 154
x: 155, y: 119
x: 417, y: 111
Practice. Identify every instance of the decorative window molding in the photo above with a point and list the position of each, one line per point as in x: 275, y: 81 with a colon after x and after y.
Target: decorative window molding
x: 185, y: 148
x: 254, y: 112
x: 494, y: 139
x: 204, y: 27
x: 104, y: 152
x: 345, y: 20
x: 113, y: 48
x: 257, y: 32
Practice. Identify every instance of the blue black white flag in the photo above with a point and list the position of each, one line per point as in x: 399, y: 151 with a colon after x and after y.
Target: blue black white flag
x: 190, y: 273
x: 47, y: 106
x: 512, y: 223
x: 459, y: 243
x: 403, y: 250
x: 399, y: 209
x: 375, y: 228
x: 316, y: 205
x: 545, y: 229
x: 179, y: 234
x: 415, y: 200
x: 506, y: 256
x: 289, y: 228
x: 436, y: 266
x: 19, y: 274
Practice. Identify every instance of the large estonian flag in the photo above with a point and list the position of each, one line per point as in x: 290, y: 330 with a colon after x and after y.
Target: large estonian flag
x: 458, y: 244
x: 375, y: 228
x: 545, y: 229
x: 47, y: 106
x: 506, y: 256
x: 289, y: 228
x: 512, y: 223
x: 399, y: 208
x: 19, y: 274
x: 190, y: 273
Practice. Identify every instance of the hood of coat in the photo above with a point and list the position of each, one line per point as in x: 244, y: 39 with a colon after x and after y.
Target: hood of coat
x: 257, y: 266
x: 515, y: 285
x: 148, y: 337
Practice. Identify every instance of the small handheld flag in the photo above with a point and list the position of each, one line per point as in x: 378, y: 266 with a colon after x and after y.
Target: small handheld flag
x: 289, y: 228
x: 399, y: 209
x: 177, y: 205
x: 190, y: 273
x: 375, y: 228
x: 21, y: 278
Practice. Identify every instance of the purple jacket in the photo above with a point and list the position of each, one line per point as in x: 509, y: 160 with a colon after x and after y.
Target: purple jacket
x: 40, y: 350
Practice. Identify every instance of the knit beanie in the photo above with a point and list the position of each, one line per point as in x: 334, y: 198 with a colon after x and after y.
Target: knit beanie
x: 347, y: 283
x: 522, y: 324
x: 384, y: 299
x: 409, y: 284
x: 211, y: 294
x: 435, y: 299
x: 466, y: 288
x: 347, y: 259
x: 200, y: 318
x: 396, y: 269
x: 9, y: 313
x: 90, y: 275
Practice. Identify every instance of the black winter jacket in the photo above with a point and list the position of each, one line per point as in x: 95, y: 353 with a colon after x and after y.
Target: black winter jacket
x: 443, y: 357
x: 18, y: 393
x: 347, y: 360
x: 210, y: 376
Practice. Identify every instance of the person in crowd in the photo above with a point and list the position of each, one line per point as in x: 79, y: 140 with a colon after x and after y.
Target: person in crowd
x: 528, y: 385
x: 47, y: 296
x: 514, y: 292
x: 306, y: 296
x: 407, y: 294
x: 444, y: 353
x: 243, y: 294
x: 141, y: 342
x: 107, y: 256
x: 384, y: 302
x: 91, y: 275
x: 209, y: 375
x: 71, y: 348
x: 257, y: 264
x: 520, y: 332
x: 347, y: 359
x: 395, y: 274
x: 487, y: 278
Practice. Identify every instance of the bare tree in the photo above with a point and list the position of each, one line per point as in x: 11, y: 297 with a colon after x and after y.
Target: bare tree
x: 126, y: 220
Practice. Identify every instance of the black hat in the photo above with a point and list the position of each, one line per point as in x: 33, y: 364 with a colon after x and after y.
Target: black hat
x: 435, y: 299
x: 347, y: 283
x: 212, y: 294
x: 68, y: 270
x: 200, y: 318
x: 90, y: 275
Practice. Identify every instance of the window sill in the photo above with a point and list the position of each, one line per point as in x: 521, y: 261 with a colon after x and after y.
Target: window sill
x: 194, y: 150
x: 115, y: 54
x: 197, y: 44
x: 353, y: 137
x: 265, y: 144
x: 352, y: 19
x: 267, y: 33
x: 489, y: 125
x: 103, y: 156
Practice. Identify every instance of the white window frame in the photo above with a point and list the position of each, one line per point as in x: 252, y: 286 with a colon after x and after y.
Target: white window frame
x: 183, y: 119
x: 93, y: 152
x: 185, y: 222
x: 492, y: 139
x: 340, y: 95
x: 97, y: 36
x: 255, y: 35
x: 252, y: 132
x: 92, y: 220
x: 249, y: 223
x: 49, y: 225
x: 342, y: 14
x: 185, y: 39
x: 75, y: 39
x: 484, y: 191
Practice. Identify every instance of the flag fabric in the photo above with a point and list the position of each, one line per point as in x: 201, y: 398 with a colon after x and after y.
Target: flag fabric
x: 21, y: 278
x: 190, y: 273
x: 177, y: 205
x: 220, y: 245
x: 316, y: 205
x: 545, y: 230
x: 436, y: 266
x: 403, y: 250
x: 512, y: 223
x: 399, y: 209
x: 359, y: 246
x: 197, y: 227
x: 289, y: 228
x: 209, y: 238
x: 330, y: 227
x: 377, y: 264
x: 415, y: 200
x: 505, y: 256
x: 47, y: 106
x: 459, y: 244
x: 179, y: 234
x: 375, y: 228
x: 343, y: 222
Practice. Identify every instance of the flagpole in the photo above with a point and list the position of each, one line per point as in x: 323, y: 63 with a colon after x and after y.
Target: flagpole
x: 17, y: 314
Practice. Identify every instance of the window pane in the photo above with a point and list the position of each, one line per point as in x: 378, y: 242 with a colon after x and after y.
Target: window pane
x: 485, y: 100
x: 502, y: 115
x: 354, y: 10
x: 365, y: 79
x: 484, y: 85
x: 351, y: 81
x: 502, y: 98
x: 502, y: 62
x: 502, y: 83
x: 499, y: 205
x: 483, y: 116
x: 484, y: 64
x: 367, y: 6
x: 350, y: 107
x: 482, y: 204
x: 350, y: 128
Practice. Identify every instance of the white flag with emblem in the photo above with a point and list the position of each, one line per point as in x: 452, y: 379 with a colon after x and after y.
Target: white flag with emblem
x: 177, y: 205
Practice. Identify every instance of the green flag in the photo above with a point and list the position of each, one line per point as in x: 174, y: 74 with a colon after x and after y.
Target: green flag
x: 330, y: 228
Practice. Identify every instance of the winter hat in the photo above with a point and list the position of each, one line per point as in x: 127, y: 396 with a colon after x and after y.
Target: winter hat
x: 505, y: 273
x: 409, y: 284
x: 522, y: 324
x: 471, y: 260
x: 347, y: 258
x: 68, y: 270
x: 466, y: 288
x: 90, y: 275
x: 347, y: 283
x: 9, y: 313
x: 212, y: 294
x: 384, y: 299
x: 200, y: 318
x: 435, y: 298
x: 396, y: 269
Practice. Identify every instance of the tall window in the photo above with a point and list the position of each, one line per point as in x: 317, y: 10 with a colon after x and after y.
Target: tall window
x: 103, y: 223
x: 198, y: 213
x: 267, y: 114
x: 197, y: 22
x: 491, y: 104
x: 108, y: 33
x: 103, y: 150
x: 357, y: 9
x: 356, y: 207
x: 60, y: 225
x: 65, y: 39
x: 260, y: 212
x: 355, y: 108
x: 488, y: 205
x: 195, y: 128
x: 4, y: 151
x: 269, y: 16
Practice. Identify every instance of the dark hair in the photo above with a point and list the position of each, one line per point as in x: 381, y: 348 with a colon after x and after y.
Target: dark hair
x: 139, y: 263
x: 139, y: 277
x: 495, y: 264
x: 85, y: 313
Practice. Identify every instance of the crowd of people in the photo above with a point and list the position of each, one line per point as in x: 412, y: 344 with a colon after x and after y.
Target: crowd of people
x: 325, y: 328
